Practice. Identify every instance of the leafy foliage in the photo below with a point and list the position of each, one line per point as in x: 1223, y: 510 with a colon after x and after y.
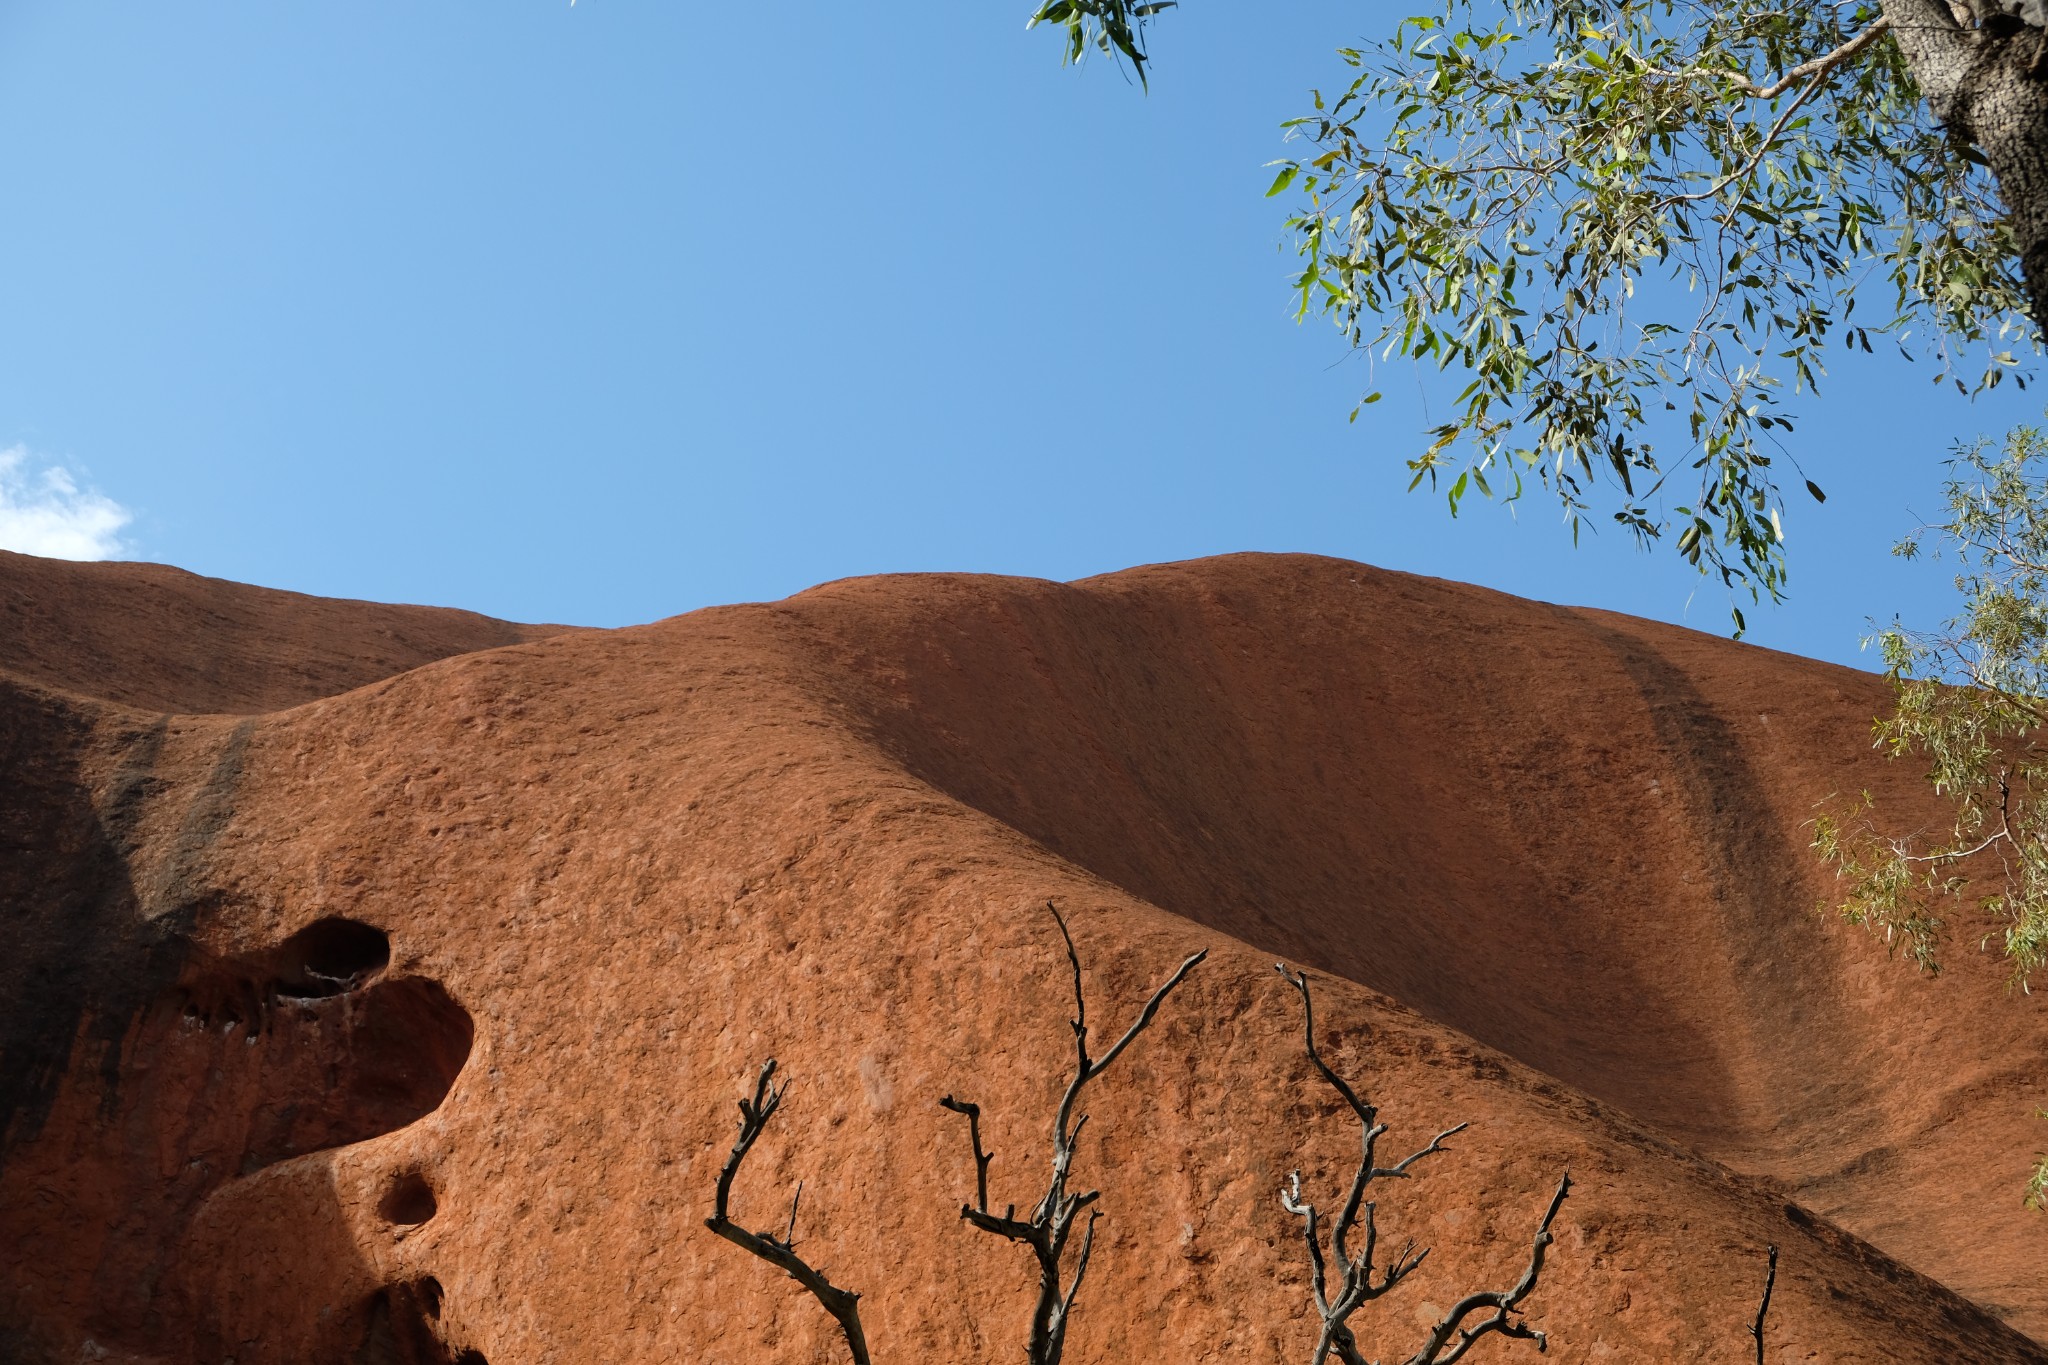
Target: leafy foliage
x: 1635, y: 228
x: 2037, y: 1185
x: 1972, y: 701
x: 1114, y: 27
x: 1601, y: 212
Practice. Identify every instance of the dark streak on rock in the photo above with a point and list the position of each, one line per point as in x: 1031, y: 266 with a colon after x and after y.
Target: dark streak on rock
x: 75, y: 955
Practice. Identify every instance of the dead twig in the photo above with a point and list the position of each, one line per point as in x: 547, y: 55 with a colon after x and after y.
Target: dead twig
x: 1451, y: 1338
x: 780, y: 1252
x: 1756, y: 1329
x: 1048, y: 1229
x: 1360, y: 1278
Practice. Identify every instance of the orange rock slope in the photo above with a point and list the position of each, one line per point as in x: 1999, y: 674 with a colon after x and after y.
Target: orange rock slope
x: 379, y: 981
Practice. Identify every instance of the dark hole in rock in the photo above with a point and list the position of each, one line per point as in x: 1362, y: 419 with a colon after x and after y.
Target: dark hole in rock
x: 331, y: 956
x: 408, y: 1202
x: 401, y: 1329
x: 348, y: 1076
x: 325, y: 1072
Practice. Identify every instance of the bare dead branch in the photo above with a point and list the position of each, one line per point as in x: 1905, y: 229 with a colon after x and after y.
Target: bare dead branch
x: 1362, y: 1281
x: 1087, y: 1069
x: 981, y: 1158
x: 1050, y: 1226
x: 1756, y: 1329
x: 1451, y: 1338
x: 1080, y: 1266
x: 780, y: 1252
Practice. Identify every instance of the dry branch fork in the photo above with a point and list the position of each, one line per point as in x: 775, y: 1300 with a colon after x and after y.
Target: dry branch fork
x: 842, y: 1304
x: 1362, y: 1280
x: 1048, y: 1231
x: 1050, y: 1227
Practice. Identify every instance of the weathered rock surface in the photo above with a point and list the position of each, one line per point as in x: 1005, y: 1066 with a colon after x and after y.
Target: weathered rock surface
x: 378, y: 981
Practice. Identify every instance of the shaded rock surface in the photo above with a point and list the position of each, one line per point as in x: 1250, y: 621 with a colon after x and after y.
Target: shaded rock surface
x: 378, y: 981
x: 160, y: 639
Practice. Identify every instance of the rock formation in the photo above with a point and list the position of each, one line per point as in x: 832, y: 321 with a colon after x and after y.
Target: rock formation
x: 378, y: 981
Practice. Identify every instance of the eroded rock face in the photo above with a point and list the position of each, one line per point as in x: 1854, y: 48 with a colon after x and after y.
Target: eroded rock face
x: 389, y: 1003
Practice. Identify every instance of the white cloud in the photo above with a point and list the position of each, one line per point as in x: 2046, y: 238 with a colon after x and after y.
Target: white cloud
x: 44, y: 512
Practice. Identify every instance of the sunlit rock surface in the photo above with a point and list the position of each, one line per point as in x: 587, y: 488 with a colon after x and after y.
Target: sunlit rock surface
x: 378, y: 981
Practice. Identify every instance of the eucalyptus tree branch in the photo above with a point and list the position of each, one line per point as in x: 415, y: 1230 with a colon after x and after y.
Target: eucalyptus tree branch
x: 1971, y: 701
x: 1363, y: 1280
x: 1763, y: 149
x: 1492, y: 194
x: 1814, y: 73
x: 2003, y: 834
x: 780, y: 1252
x: 1049, y: 1228
x: 1820, y: 67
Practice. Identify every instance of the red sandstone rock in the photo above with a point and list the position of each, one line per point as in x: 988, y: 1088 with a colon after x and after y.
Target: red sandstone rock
x: 379, y: 981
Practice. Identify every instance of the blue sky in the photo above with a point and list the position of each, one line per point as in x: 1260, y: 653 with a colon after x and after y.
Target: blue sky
x: 601, y: 313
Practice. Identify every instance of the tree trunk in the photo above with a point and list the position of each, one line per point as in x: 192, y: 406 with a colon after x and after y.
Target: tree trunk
x: 1980, y: 67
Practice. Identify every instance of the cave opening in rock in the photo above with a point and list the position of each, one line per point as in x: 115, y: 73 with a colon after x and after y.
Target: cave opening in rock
x: 331, y: 956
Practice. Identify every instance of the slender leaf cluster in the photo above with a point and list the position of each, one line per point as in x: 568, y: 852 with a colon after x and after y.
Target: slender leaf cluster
x: 1635, y: 227
x: 1972, y: 701
x: 1116, y: 28
x: 2037, y: 1184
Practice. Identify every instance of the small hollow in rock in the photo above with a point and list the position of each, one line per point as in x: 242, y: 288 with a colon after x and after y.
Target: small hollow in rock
x: 409, y: 1201
x: 331, y: 956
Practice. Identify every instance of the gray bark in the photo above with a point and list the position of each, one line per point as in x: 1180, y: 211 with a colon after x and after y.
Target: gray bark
x: 1980, y: 66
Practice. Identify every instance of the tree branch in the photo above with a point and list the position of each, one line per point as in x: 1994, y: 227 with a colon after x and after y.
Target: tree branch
x: 780, y: 1252
x: 1051, y: 1224
x: 1451, y: 1331
x: 1763, y: 148
x: 981, y: 1158
x: 1819, y: 67
x: 1763, y: 1309
x: 1291, y: 1200
x: 1087, y: 1069
x: 1360, y: 1286
x: 1399, y: 1169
